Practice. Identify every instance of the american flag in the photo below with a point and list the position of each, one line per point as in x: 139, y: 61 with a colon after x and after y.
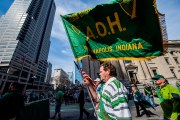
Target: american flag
x: 84, y: 75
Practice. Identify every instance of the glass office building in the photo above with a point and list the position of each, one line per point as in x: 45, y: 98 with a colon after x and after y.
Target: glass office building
x: 25, y: 41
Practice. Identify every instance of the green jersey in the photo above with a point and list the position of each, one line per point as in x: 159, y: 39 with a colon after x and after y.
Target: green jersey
x: 178, y: 88
x: 169, y: 105
x: 59, y: 96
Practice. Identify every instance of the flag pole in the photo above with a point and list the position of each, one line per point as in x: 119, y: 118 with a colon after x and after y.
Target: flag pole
x: 78, y: 67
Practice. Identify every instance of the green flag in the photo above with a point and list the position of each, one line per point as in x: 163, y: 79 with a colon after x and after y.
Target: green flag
x: 125, y: 30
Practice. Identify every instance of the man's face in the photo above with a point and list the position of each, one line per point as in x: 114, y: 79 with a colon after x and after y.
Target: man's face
x: 160, y: 82
x: 97, y: 83
x: 104, y: 75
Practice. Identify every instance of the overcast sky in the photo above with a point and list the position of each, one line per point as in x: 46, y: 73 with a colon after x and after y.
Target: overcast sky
x: 60, y: 54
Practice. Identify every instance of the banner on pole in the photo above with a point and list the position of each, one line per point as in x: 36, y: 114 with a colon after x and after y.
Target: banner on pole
x: 126, y: 30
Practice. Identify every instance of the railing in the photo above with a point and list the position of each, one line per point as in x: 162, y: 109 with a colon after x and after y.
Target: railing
x: 38, y: 110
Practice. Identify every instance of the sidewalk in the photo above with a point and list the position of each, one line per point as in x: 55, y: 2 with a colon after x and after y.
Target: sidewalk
x: 71, y: 107
x: 155, y: 115
x: 71, y: 112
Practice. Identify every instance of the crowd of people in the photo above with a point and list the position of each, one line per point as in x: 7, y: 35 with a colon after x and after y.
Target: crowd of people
x: 110, y: 96
x: 12, y: 103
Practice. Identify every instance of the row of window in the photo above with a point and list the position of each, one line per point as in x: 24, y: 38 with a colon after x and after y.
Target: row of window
x: 171, y: 69
x: 175, y: 59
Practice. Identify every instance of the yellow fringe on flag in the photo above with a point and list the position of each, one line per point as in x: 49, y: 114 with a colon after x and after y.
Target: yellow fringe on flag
x: 155, y: 6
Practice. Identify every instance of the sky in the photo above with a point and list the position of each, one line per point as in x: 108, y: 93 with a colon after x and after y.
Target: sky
x: 60, y: 54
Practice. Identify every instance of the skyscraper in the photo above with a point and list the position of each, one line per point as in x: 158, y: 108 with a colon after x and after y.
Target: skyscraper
x: 70, y: 77
x: 24, y: 42
x: 48, y: 73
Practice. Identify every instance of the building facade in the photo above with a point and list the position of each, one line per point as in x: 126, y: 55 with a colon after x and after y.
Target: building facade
x: 70, y: 77
x: 48, y: 73
x: 24, y: 41
x: 60, y: 78
x: 167, y: 65
x: 77, y: 75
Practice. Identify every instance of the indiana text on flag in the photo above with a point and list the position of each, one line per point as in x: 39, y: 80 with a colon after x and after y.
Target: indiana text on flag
x: 121, y: 29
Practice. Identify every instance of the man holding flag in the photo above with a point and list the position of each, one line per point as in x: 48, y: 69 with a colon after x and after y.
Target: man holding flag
x: 118, y: 30
x: 113, y: 98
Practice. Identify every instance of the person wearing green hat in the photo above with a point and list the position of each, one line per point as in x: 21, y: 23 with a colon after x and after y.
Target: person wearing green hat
x: 169, y: 98
x: 58, y: 103
x: 178, y: 85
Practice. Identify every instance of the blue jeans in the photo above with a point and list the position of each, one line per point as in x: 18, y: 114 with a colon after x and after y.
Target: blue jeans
x: 150, y: 99
x: 57, y: 107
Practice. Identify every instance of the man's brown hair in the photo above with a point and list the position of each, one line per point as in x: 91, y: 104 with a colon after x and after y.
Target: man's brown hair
x: 110, y: 67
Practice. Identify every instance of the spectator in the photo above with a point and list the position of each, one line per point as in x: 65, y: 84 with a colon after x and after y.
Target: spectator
x: 137, y: 97
x: 81, y: 104
x: 1, y: 93
x: 178, y: 85
x: 66, y: 98
x: 169, y: 97
x: 75, y: 96
x: 149, y: 94
x: 98, y: 87
x: 58, y: 98
x: 12, y: 103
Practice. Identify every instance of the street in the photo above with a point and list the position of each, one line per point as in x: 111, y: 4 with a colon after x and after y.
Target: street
x: 71, y: 112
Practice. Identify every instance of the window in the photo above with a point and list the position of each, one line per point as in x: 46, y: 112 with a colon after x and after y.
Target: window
x: 149, y: 60
x: 4, y: 62
x: 171, y: 52
x: 127, y: 61
x: 154, y: 71
x: 176, y: 60
x: 167, y: 61
x: 172, y: 71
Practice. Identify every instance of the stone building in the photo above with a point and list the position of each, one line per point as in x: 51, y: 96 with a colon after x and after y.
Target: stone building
x: 60, y: 78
